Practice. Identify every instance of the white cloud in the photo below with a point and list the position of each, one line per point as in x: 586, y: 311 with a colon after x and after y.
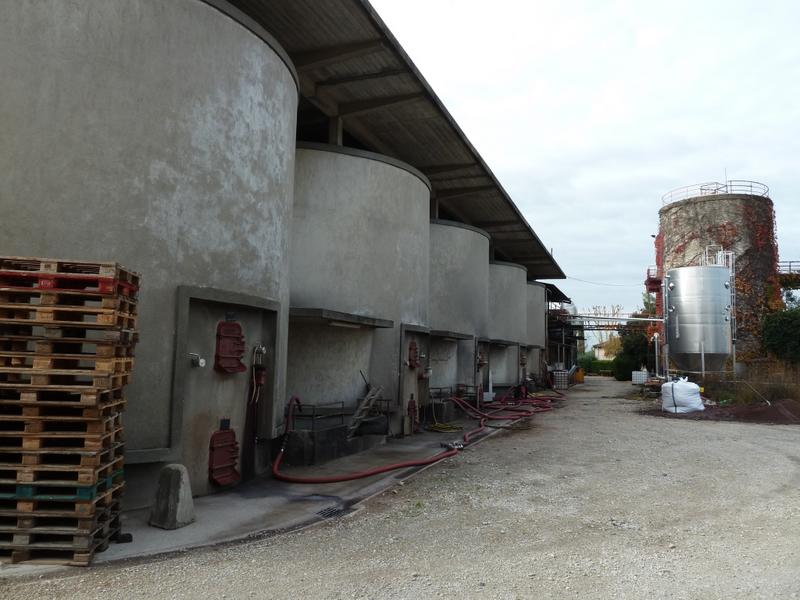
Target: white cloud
x: 589, y: 111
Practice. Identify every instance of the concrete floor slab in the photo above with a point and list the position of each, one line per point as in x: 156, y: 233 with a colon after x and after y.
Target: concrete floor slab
x: 266, y: 506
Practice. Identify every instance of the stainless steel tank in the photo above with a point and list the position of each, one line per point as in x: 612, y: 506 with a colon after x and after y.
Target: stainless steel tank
x: 699, y: 317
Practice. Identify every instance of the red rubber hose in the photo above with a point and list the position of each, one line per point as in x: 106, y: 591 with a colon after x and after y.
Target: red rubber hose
x: 293, y: 402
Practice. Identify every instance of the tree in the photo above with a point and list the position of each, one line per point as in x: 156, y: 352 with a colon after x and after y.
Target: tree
x: 780, y: 333
x: 648, y: 304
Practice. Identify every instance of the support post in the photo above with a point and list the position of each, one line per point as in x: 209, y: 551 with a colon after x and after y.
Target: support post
x: 336, y: 130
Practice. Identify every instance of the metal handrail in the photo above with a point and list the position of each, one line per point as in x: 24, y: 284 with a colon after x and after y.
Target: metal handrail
x: 714, y: 188
x: 789, y: 267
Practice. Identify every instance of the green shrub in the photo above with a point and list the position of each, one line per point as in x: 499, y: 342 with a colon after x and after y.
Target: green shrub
x: 602, y: 365
x: 585, y: 361
x: 780, y: 333
x: 624, y: 365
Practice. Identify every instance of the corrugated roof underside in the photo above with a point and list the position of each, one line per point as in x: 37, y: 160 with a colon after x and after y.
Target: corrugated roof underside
x: 350, y: 65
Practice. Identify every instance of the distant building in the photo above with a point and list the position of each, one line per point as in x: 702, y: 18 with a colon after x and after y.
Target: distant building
x: 606, y: 350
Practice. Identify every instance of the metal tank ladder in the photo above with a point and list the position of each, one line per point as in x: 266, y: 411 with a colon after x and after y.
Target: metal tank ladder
x: 363, y: 410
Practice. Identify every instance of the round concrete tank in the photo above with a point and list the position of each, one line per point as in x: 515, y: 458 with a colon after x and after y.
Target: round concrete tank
x: 699, y: 317
x: 508, y: 314
x: 360, y: 234
x: 360, y: 244
x: 459, y: 278
x: 160, y: 135
x: 508, y: 302
x: 537, y: 314
x: 536, y: 326
x: 739, y: 217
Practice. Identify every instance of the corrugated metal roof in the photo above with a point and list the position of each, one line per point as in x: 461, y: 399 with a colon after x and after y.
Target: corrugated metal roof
x: 350, y: 65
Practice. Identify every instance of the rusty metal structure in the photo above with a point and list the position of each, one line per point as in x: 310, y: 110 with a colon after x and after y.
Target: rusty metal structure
x: 739, y: 217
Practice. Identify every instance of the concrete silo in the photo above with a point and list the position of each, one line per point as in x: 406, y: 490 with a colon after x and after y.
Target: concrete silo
x: 737, y: 216
x: 128, y: 138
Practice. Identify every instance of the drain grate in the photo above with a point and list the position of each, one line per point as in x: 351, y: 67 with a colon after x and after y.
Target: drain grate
x: 332, y: 511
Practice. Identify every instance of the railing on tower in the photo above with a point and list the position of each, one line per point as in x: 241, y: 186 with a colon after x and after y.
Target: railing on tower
x: 713, y: 188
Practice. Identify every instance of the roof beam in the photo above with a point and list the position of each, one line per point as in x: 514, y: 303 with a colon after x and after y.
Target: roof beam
x: 443, y: 169
x: 495, y: 224
x: 464, y: 191
x: 360, y: 107
x: 313, y: 59
x: 334, y: 81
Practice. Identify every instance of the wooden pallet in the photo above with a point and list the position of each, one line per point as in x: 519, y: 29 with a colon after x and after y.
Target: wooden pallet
x: 77, y: 362
x: 73, y: 508
x: 62, y: 412
x: 64, y: 380
x: 72, y: 317
x: 59, y: 491
x: 84, y: 398
x: 19, y: 331
x: 83, y: 349
x: 27, y: 297
x: 57, y: 428
x: 68, y: 548
x: 104, y: 277
x: 12, y: 521
x: 56, y: 459
x: 59, y: 474
x: 12, y: 441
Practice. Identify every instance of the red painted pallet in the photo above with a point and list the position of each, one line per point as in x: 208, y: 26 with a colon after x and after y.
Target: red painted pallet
x: 54, y: 274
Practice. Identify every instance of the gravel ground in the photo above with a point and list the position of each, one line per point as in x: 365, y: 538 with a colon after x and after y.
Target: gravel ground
x: 594, y: 501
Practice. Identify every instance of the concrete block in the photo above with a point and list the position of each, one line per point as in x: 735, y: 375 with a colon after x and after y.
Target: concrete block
x: 173, y: 507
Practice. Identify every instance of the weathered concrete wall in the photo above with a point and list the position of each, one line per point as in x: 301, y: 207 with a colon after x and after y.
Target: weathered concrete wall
x: 537, y: 314
x: 466, y: 362
x: 459, y: 278
x: 743, y: 224
x: 324, y: 363
x: 360, y: 243
x: 444, y: 362
x: 504, y: 364
x: 508, y: 302
x: 157, y: 134
x: 534, y: 366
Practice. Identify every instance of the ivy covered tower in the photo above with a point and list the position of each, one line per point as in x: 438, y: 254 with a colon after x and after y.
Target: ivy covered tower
x: 739, y: 217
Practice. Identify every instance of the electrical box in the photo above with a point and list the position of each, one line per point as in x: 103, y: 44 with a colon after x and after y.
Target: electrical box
x: 230, y: 348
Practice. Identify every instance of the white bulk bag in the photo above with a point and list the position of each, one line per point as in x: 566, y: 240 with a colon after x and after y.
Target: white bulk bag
x: 681, y: 397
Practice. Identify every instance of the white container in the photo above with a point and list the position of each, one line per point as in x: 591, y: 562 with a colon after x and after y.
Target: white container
x: 680, y: 397
x: 560, y: 380
x: 639, y: 377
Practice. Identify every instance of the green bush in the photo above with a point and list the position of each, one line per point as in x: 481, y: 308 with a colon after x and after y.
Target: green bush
x: 780, y: 333
x: 624, y: 365
x: 602, y: 365
x: 585, y: 361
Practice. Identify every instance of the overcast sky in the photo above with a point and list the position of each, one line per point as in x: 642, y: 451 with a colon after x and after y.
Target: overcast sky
x: 589, y: 111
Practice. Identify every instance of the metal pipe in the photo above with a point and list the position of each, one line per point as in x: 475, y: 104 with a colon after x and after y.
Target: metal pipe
x: 703, y: 358
x: 594, y: 318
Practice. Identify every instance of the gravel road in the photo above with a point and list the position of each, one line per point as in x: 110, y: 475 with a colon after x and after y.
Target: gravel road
x: 594, y: 501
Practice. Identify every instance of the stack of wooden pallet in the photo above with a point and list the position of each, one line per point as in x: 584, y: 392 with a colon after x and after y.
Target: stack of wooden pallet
x: 67, y: 335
